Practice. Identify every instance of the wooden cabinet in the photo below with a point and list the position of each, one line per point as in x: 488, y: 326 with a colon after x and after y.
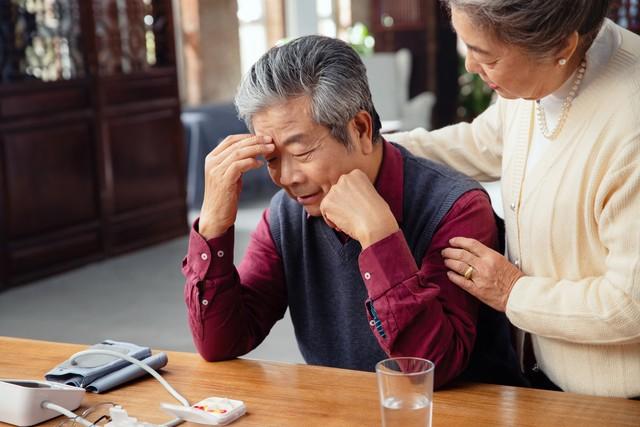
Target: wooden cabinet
x: 626, y: 13
x: 423, y: 27
x: 91, y: 149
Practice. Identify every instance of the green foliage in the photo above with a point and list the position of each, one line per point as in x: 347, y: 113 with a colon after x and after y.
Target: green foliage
x: 360, y: 39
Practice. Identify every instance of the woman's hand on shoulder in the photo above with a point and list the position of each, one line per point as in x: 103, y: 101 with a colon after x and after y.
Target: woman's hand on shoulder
x: 481, y: 271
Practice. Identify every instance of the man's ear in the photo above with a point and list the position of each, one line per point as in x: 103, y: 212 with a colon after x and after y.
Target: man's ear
x: 363, y: 127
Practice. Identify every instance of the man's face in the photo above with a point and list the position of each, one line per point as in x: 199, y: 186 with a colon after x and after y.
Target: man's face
x: 307, y: 159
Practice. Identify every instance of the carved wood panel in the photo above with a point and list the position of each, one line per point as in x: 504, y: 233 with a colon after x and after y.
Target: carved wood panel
x: 626, y: 13
x: 40, y: 40
x: 132, y: 35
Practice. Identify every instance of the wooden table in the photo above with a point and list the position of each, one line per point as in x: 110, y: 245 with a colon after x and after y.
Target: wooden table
x: 279, y: 394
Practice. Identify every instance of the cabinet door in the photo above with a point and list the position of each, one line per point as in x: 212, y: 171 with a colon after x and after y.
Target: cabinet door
x: 49, y: 186
x: 140, y: 133
x: 50, y: 178
x: 51, y: 194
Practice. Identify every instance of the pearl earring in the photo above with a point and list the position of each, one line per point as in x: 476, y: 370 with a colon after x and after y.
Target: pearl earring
x: 562, y: 61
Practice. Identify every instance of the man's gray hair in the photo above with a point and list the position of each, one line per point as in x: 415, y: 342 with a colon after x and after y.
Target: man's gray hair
x: 326, y: 70
x: 537, y: 26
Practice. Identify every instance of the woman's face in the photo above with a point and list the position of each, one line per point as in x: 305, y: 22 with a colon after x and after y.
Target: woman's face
x: 505, y: 68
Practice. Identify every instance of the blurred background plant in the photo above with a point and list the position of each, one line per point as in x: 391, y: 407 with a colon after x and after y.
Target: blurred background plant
x: 474, y: 96
x: 360, y: 39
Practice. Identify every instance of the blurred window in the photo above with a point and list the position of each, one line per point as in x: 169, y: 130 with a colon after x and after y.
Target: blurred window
x: 326, y: 19
x: 253, y: 32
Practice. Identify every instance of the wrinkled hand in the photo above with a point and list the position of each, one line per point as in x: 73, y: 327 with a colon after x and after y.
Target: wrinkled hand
x: 493, y: 275
x: 354, y: 207
x: 223, y: 170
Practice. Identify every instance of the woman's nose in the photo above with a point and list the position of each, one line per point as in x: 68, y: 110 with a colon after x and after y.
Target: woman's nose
x: 471, y: 65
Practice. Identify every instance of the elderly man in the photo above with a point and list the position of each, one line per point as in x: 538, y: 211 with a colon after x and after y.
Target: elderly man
x: 352, y: 242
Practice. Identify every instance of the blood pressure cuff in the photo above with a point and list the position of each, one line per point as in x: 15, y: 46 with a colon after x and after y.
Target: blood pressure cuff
x: 99, y: 373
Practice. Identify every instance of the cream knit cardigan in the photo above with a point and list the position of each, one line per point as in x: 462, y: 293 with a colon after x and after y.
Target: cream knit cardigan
x: 573, y: 226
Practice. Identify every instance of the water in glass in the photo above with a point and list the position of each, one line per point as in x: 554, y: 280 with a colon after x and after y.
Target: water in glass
x: 410, y: 411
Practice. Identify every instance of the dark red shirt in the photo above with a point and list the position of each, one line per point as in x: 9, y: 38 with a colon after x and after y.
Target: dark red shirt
x: 422, y: 313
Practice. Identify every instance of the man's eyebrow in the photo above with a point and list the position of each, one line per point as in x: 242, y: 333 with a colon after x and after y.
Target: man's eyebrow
x: 296, y: 137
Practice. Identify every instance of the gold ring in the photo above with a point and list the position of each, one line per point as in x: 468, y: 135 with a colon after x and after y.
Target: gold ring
x: 467, y: 274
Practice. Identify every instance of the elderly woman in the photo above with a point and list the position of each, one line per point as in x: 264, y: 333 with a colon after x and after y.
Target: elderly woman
x: 564, y: 137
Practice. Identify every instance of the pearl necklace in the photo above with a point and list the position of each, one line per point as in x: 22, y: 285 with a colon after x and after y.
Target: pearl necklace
x: 566, y: 105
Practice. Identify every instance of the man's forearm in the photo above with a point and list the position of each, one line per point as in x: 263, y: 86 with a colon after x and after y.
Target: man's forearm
x: 231, y: 311
x: 210, y: 281
x: 419, y: 310
x: 409, y: 315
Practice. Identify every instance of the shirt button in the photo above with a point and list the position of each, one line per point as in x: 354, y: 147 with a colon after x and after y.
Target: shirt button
x: 367, y: 275
x: 513, y: 206
x: 517, y: 263
x: 220, y: 254
x: 204, y: 256
x: 372, y: 322
x: 205, y: 302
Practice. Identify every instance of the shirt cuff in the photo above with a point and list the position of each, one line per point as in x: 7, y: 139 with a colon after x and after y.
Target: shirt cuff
x: 386, y: 263
x: 209, y: 259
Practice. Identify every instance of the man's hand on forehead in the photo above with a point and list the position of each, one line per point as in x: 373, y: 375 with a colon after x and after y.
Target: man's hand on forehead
x: 224, y: 167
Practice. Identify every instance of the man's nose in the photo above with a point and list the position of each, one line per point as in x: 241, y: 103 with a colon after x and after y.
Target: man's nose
x: 288, y: 172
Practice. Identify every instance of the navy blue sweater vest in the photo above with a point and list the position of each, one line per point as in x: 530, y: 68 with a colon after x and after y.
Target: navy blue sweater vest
x: 326, y: 293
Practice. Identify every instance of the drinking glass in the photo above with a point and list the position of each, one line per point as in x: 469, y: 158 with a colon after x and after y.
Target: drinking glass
x: 406, y: 391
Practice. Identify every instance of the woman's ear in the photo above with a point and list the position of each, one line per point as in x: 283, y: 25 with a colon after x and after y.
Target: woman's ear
x: 568, y: 49
x: 363, y: 128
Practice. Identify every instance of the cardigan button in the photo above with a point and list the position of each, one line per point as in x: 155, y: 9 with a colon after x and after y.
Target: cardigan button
x: 513, y: 206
